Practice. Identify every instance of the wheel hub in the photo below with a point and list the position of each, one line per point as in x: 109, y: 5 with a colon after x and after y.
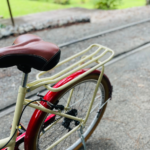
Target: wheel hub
x: 67, y: 121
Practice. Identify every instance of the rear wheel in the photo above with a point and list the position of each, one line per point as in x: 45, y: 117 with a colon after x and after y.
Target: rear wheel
x: 82, y: 92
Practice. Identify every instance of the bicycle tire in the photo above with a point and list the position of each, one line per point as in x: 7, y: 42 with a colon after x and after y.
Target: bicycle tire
x: 105, y: 84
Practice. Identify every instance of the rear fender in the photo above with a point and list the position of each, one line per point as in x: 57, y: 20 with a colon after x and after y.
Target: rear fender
x: 49, y: 96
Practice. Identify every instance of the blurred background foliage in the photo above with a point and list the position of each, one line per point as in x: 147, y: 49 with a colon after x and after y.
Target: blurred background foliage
x: 63, y: 2
x: 24, y: 7
x: 107, y: 4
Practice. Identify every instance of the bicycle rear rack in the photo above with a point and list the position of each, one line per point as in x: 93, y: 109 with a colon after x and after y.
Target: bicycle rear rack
x: 82, y: 63
x: 93, y: 57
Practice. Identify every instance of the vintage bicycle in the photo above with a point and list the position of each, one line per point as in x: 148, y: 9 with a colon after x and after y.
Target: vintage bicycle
x: 71, y: 110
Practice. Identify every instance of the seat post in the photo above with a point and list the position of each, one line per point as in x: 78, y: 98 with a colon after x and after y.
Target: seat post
x: 18, y: 109
x: 24, y: 79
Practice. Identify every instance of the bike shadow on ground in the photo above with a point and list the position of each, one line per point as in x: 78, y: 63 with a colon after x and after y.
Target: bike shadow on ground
x: 101, y: 144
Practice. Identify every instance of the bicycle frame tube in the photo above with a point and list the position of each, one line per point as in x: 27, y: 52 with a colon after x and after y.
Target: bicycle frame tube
x: 95, y: 92
x: 53, y: 112
x: 18, y: 110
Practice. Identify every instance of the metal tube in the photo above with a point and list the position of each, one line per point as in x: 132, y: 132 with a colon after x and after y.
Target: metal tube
x: 18, y: 110
x: 12, y: 20
x: 24, y: 79
x: 94, y: 95
x: 53, y: 112
x: 62, y: 138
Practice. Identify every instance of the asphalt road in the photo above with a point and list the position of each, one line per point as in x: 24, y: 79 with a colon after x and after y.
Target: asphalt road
x: 125, y: 124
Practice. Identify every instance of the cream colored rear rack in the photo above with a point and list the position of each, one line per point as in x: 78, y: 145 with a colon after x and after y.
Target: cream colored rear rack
x: 93, y: 57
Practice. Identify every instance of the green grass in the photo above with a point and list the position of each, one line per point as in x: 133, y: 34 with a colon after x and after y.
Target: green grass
x: 24, y: 7
x: 131, y: 3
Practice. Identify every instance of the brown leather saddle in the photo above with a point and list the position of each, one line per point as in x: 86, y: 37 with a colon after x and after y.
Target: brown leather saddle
x: 30, y: 51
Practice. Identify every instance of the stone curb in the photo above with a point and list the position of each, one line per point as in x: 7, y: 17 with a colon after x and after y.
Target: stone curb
x: 35, y: 26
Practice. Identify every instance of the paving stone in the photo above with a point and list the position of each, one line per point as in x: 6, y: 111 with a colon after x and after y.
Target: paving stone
x: 47, y: 23
x: 15, y: 30
x: 33, y: 24
x: 21, y: 30
x: 39, y: 26
x: 28, y: 27
x: 5, y: 32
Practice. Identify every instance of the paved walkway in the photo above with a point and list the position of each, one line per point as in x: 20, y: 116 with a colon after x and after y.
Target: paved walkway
x: 125, y: 124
